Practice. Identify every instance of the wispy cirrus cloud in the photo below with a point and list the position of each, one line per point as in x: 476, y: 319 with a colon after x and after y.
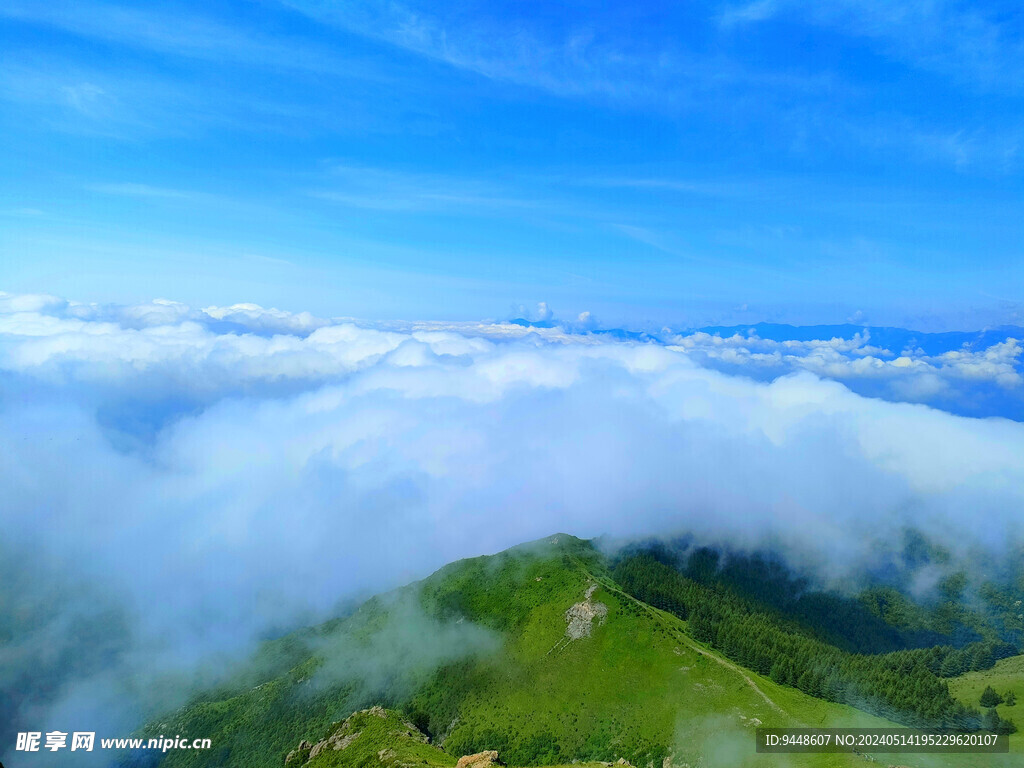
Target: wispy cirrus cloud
x: 135, y: 189
x: 188, y: 35
x: 745, y: 13
x: 96, y: 101
x: 394, y: 190
x: 22, y: 212
x: 582, y: 59
x: 162, y: 86
x: 572, y: 65
x: 591, y: 61
x: 974, y: 43
x: 572, y: 60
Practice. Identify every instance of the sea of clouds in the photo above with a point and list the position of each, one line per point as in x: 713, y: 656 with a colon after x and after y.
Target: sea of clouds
x: 180, y: 482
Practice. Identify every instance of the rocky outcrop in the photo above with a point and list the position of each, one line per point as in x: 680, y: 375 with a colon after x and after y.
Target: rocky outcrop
x: 347, y: 732
x: 580, y: 617
x: 336, y: 741
x: 299, y: 755
x: 479, y: 760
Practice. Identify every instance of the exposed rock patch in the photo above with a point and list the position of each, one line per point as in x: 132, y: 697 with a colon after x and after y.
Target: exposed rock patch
x: 337, y: 741
x: 343, y: 734
x: 300, y: 754
x: 580, y: 617
x: 479, y: 760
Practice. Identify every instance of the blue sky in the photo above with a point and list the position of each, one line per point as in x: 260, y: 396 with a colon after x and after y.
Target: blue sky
x: 655, y: 165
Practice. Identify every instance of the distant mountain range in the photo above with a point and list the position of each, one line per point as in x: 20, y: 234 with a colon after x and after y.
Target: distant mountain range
x: 895, y: 340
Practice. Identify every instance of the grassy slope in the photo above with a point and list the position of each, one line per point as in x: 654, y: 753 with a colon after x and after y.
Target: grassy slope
x: 1006, y: 675
x: 638, y: 687
x: 639, y: 681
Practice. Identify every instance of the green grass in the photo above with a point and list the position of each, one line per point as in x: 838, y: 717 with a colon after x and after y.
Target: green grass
x: 476, y: 655
x: 1006, y: 675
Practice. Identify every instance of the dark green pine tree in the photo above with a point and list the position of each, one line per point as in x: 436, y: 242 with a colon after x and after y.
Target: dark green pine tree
x: 990, y: 721
x: 989, y: 697
x: 952, y: 665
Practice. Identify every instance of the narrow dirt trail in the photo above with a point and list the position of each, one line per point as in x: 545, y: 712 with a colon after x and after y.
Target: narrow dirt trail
x: 738, y: 670
x: 693, y: 645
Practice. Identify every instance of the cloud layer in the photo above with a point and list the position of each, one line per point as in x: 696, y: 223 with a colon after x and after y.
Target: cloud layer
x: 221, y: 474
x: 972, y: 379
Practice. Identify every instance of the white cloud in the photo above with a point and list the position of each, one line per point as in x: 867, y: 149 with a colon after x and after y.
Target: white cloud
x: 342, y: 372
x: 901, y: 375
x: 29, y: 302
x: 243, y: 345
x: 255, y: 318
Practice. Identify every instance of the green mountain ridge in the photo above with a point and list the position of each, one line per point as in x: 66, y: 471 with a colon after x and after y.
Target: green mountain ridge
x: 537, y: 652
x: 371, y: 736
